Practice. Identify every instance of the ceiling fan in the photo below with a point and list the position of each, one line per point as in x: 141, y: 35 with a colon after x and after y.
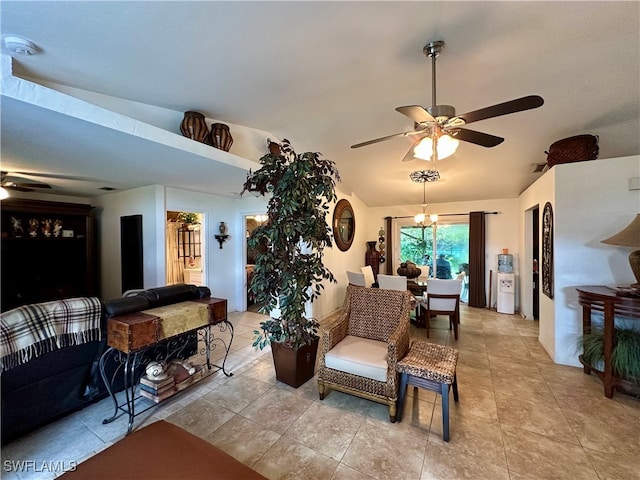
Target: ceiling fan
x: 14, y: 183
x: 437, y: 129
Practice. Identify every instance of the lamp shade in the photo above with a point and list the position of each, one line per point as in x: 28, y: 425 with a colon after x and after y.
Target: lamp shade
x: 445, y: 145
x: 629, y: 237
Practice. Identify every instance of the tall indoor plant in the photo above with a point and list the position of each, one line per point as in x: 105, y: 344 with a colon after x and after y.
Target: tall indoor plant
x: 288, y: 269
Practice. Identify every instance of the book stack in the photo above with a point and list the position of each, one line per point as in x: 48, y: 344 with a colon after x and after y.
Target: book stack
x: 157, y: 390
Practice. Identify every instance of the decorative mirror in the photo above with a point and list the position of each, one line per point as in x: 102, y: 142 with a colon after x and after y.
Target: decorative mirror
x: 344, y: 225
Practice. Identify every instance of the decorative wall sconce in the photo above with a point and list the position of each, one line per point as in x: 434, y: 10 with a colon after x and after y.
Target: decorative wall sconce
x: 223, y: 234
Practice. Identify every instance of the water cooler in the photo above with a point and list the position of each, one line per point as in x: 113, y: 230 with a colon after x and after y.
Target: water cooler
x: 506, y: 284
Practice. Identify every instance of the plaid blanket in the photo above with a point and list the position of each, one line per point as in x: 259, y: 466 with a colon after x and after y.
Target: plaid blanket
x: 38, y: 328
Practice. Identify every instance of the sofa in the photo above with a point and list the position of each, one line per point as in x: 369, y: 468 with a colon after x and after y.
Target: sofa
x: 54, y: 376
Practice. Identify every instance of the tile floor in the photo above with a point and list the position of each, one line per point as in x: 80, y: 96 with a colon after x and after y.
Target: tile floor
x: 520, y: 417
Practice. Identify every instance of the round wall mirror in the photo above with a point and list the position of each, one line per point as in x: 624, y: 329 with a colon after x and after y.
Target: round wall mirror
x: 344, y: 225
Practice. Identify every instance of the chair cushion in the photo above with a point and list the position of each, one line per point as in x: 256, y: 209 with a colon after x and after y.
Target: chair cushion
x: 359, y: 356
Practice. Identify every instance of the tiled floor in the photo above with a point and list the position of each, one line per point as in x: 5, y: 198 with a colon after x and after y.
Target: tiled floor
x: 520, y: 417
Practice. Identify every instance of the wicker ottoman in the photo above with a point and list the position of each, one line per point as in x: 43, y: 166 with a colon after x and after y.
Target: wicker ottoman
x: 430, y: 366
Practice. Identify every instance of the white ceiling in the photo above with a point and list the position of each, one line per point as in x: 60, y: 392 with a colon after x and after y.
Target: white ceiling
x: 325, y: 75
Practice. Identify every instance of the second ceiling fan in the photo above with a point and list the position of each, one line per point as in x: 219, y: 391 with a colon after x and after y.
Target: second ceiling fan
x: 440, y: 125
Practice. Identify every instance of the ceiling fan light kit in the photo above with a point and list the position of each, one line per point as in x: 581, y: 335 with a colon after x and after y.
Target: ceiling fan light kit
x: 439, y: 124
x: 444, y: 147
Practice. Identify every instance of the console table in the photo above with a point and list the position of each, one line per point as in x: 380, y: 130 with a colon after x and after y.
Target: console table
x: 610, y: 302
x: 138, y: 338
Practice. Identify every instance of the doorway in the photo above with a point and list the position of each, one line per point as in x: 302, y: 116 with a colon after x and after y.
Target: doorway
x: 251, y: 223
x: 535, y: 242
x: 185, y: 248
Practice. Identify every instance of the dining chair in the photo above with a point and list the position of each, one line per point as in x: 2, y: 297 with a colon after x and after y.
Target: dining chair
x: 392, y: 282
x: 369, y: 278
x: 443, y: 298
x: 399, y: 282
x: 356, y: 278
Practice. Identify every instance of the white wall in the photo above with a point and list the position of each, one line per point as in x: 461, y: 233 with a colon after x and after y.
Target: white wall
x: 339, y: 262
x: 537, y: 195
x: 591, y: 201
x: 224, y: 267
x: 139, y: 201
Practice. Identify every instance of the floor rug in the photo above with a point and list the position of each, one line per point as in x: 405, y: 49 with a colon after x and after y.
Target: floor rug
x: 162, y: 451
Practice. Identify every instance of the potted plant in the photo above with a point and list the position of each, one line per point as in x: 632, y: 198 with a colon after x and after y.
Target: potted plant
x: 187, y: 219
x: 625, y: 357
x: 288, y: 270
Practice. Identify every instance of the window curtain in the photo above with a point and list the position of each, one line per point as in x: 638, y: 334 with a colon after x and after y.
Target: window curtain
x: 175, y: 265
x: 477, y: 290
x: 389, y: 246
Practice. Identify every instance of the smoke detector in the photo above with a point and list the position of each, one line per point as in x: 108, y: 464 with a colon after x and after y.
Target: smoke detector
x: 19, y: 46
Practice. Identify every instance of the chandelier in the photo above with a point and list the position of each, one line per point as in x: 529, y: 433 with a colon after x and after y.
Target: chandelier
x: 424, y: 176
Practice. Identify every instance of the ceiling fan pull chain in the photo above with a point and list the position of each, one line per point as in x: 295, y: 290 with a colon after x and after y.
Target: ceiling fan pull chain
x: 434, y: 146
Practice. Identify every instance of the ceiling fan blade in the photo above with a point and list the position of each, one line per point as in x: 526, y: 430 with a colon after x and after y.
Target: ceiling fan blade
x: 479, y: 138
x: 409, y: 155
x: 18, y: 188
x: 512, y: 106
x: 32, y: 185
x: 381, y: 139
x: 416, y: 113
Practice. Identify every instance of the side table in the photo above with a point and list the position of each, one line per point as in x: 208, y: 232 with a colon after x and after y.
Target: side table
x: 430, y: 366
x: 611, y: 303
x: 138, y: 338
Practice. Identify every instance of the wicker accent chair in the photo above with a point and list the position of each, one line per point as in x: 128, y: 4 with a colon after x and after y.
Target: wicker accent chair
x: 361, y: 349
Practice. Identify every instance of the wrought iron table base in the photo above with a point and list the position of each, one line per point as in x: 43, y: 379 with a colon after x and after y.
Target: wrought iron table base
x: 129, y: 362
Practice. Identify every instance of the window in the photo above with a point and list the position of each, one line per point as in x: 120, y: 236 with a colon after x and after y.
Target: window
x: 451, y: 249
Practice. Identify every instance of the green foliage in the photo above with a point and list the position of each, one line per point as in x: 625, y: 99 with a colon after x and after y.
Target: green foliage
x: 625, y: 358
x: 288, y: 268
x: 452, y: 240
x: 188, y: 217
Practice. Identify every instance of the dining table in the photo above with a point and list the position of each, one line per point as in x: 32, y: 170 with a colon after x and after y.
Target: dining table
x: 418, y: 289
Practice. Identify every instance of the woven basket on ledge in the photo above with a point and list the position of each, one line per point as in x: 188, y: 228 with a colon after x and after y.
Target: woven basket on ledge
x: 573, y: 149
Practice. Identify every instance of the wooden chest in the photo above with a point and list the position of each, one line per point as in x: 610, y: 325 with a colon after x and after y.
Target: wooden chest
x: 134, y: 331
x: 217, y: 309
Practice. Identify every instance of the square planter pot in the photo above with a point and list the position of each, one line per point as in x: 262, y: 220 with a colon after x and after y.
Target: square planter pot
x: 295, y: 367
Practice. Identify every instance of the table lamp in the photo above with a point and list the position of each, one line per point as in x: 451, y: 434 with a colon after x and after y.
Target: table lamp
x: 630, y: 237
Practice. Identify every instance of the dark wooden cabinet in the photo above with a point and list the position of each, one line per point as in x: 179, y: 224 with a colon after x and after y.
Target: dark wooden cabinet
x: 49, y: 251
